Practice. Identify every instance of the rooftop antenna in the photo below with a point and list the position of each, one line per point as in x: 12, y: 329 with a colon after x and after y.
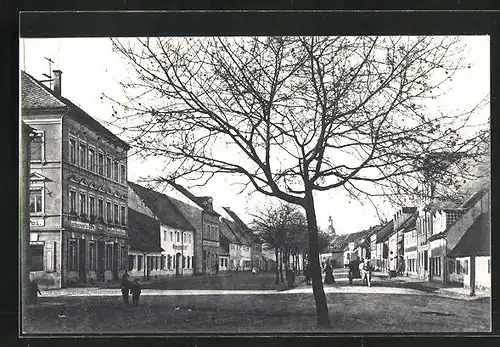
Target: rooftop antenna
x: 49, y: 76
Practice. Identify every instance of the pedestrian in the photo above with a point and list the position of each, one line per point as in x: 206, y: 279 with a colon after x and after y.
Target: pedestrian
x: 392, y: 265
x: 125, y: 288
x: 329, y: 279
x: 254, y: 271
x: 135, y: 290
x: 365, y: 270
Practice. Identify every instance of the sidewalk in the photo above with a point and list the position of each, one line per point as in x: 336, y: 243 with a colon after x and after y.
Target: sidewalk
x: 432, y: 288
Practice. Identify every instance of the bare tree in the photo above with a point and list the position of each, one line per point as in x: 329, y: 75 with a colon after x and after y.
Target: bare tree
x: 295, y: 115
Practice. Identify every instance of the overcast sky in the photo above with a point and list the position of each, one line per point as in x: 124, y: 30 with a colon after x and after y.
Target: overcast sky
x: 90, y: 68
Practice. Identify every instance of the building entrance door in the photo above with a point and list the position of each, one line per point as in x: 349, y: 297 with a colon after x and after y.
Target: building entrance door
x: 115, y: 261
x: 100, y: 259
x: 81, y: 261
x: 178, y: 264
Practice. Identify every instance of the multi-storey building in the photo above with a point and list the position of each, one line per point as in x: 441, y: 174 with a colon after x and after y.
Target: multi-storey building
x: 173, y: 235
x: 78, y: 190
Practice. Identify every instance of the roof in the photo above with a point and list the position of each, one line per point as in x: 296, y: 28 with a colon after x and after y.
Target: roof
x: 242, y: 226
x: 222, y: 251
x: 227, y: 232
x: 476, y: 240
x: 235, y: 229
x: 35, y: 95
x: 342, y: 241
x: 205, y: 202
x: 163, y: 208
x: 409, y: 223
x: 143, y: 232
x: 385, y: 232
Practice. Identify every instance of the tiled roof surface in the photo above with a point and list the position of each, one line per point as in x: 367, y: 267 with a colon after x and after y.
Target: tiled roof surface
x: 244, y: 229
x: 476, y: 240
x: 227, y: 232
x: 35, y: 95
x: 162, y: 207
x: 386, y: 231
x: 143, y: 232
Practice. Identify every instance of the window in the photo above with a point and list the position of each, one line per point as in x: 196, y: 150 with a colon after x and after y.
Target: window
x: 83, y: 155
x: 72, y: 201
x: 72, y: 257
x: 131, y: 260
x: 459, y: 267
x: 100, y: 163
x: 72, y: 150
x: 115, y: 169
x: 91, y: 159
x: 92, y: 255
x: 37, y: 146
x: 169, y: 261
x: 189, y: 238
x: 178, y: 235
x: 123, y: 177
x: 91, y: 206
x: 36, y: 200
x: 162, y: 265
x: 426, y: 261
x: 108, y: 212
x: 108, y: 167
x: 451, y: 266
x: 36, y: 257
x: 83, y: 204
x: 171, y: 236
x: 123, y: 215
x: 109, y: 256
x: 183, y: 262
x: 139, y: 262
x: 156, y: 263
x: 115, y: 212
x: 164, y: 235
x: 100, y: 208
x: 466, y: 267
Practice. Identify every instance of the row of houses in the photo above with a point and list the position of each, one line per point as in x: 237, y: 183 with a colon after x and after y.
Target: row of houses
x: 444, y: 243
x: 88, y: 223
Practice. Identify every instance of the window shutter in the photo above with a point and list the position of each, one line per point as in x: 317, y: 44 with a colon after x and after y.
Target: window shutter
x: 50, y: 257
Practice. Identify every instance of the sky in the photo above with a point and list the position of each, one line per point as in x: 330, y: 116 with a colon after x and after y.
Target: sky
x: 90, y: 68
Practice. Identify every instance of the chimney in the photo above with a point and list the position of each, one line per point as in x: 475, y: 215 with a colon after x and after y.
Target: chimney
x: 57, y: 82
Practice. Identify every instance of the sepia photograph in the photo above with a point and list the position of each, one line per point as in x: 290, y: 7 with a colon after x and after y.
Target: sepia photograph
x: 255, y: 184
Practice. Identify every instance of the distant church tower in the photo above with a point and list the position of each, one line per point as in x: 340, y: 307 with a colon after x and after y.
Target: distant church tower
x: 331, y: 229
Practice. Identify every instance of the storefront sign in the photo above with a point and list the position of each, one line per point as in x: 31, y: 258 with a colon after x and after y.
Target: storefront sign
x: 37, y: 222
x: 184, y: 247
x: 96, y: 227
x: 82, y: 225
x: 210, y: 243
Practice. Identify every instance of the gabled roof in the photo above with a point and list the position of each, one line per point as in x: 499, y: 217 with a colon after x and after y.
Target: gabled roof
x: 235, y: 229
x: 476, y: 240
x: 385, y: 232
x: 35, y: 95
x: 242, y: 226
x: 143, y: 232
x: 162, y: 207
x: 202, y: 201
x: 227, y: 232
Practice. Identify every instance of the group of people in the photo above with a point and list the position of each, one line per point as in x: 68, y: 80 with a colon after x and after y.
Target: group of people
x: 129, y: 287
x: 327, y: 269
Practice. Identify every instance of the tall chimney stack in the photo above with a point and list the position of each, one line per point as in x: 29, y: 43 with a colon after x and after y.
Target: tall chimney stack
x: 57, y: 82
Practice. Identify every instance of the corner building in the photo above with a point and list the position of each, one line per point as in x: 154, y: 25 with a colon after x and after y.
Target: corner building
x: 78, y: 191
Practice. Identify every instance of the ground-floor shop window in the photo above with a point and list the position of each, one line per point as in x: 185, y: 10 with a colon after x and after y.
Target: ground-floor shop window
x: 72, y: 255
x: 36, y: 257
x: 139, y: 262
x: 92, y: 255
x: 109, y: 257
x: 162, y: 262
x: 131, y: 262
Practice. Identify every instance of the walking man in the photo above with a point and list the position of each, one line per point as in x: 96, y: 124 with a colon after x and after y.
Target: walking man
x: 125, y: 288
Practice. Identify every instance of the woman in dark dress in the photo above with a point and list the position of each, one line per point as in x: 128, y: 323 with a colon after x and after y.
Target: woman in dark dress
x: 329, y: 279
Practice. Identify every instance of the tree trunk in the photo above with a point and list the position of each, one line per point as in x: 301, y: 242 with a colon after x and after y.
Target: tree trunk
x: 323, y: 318
x: 277, y: 268
x: 281, y: 265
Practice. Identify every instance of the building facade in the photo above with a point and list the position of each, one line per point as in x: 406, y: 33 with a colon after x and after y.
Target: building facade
x: 78, y: 194
x: 174, y: 235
